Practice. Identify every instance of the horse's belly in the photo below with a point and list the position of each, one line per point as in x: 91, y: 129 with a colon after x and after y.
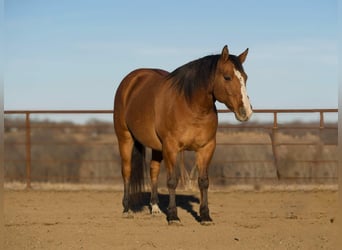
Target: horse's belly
x: 140, y: 122
x: 147, y: 136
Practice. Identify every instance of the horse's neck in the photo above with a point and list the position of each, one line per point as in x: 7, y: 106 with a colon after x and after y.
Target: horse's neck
x: 203, y: 103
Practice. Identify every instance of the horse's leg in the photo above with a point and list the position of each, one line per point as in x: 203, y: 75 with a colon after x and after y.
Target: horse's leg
x: 125, y: 148
x: 170, y: 157
x: 157, y: 157
x: 203, y: 157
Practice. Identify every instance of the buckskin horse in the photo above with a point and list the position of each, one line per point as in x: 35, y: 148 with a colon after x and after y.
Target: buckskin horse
x: 171, y: 112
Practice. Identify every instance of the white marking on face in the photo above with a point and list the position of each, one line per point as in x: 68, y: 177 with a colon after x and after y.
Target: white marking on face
x: 245, y: 99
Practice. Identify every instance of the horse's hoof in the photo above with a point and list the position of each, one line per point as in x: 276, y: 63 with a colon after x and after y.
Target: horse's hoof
x: 207, y: 223
x: 155, y: 210
x: 175, y: 223
x: 127, y: 215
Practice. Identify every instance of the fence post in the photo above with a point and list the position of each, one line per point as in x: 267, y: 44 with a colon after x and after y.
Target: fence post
x: 28, y: 151
x: 321, y: 119
x: 274, y: 145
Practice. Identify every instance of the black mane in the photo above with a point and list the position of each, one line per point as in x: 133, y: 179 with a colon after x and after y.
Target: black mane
x: 197, y: 74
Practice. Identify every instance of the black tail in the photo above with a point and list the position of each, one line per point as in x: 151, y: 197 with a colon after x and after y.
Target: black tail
x: 137, y: 173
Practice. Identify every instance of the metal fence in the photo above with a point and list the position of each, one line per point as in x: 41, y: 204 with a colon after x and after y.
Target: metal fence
x: 275, y: 145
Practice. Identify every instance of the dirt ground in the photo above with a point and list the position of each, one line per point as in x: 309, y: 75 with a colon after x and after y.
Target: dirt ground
x: 243, y: 220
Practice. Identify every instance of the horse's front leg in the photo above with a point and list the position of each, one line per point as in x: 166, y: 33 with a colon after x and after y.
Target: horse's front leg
x: 170, y: 157
x: 203, y: 158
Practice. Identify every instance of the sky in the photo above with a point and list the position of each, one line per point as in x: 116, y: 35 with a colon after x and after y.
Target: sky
x: 72, y: 54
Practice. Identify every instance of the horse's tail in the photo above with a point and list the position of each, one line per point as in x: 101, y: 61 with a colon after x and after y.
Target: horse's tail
x: 137, y: 173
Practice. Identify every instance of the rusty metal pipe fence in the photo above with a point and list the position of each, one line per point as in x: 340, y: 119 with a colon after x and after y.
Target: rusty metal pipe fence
x: 272, y: 128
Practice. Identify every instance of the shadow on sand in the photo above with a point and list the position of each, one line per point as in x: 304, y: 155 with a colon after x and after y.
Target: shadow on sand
x: 183, y: 201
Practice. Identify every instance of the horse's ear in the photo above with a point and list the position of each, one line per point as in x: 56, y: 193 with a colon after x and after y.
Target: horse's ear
x: 225, y: 53
x: 243, y: 55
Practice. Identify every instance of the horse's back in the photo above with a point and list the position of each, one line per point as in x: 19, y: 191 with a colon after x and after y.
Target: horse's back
x: 134, y: 105
x: 136, y: 83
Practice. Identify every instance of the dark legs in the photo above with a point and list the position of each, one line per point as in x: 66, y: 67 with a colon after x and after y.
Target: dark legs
x: 203, y: 183
x: 172, y: 182
x: 203, y: 157
x: 170, y: 156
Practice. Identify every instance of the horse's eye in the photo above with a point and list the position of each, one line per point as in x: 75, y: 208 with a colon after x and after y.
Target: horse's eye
x: 227, y: 78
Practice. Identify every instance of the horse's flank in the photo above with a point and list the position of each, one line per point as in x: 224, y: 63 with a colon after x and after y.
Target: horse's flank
x: 134, y: 105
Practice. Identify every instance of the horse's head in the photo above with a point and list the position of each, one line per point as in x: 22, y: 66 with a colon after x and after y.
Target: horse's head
x: 230, y: 84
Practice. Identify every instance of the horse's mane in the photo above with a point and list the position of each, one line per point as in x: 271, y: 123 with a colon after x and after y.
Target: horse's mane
x: 197, y: 74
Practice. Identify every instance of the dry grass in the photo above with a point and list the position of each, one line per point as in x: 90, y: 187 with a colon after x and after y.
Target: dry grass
x: 65, y: 152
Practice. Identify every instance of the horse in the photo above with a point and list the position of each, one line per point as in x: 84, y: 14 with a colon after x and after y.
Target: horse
x: 172, y: 112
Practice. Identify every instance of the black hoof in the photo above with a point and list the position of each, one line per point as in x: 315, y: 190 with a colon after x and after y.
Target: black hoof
x: 172, y: 218
x: 204, y: 215
x: 172, y: 215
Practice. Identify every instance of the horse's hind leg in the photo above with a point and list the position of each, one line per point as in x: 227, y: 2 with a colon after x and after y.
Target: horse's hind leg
x: 126, y: 147
x: 157, y: 157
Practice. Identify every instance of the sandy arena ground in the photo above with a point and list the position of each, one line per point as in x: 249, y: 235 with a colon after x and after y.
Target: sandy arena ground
x: 243, y: 220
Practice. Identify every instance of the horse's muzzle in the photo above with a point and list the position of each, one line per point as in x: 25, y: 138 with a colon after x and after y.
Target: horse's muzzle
x: 243, y: 114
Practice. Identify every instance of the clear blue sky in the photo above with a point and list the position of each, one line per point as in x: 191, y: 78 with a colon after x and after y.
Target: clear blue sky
x: 72, y: 54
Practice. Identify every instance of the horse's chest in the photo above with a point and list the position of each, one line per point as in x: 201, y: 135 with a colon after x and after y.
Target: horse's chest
x: 185, y: 128
x: 196, y: 136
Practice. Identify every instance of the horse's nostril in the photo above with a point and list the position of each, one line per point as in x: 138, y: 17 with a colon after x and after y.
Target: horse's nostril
x: 242, y: 111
